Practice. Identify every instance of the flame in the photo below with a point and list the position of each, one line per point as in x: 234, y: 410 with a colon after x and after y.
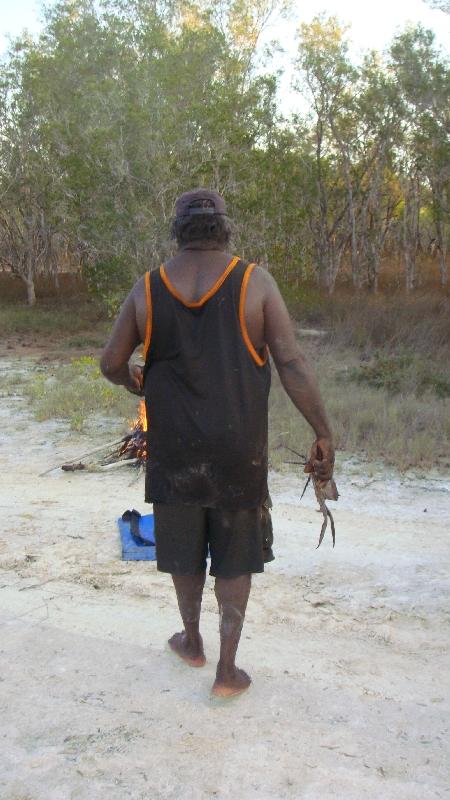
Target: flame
x: 141, y: 419
x: 135, y: 444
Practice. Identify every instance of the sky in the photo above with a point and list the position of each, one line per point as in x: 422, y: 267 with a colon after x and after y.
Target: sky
x: 373, y: 23
x: 372, y: 26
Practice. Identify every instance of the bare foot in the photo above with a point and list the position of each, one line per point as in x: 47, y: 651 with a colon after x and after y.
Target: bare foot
x: 191, y: 653
x: 230, y: 683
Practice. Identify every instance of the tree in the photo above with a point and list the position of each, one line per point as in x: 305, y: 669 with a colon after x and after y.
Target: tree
x: 31, y: 214
x: 120, y: 105
x: 327, y: 76
x: 379, y: 134
x: 129, y: 103
x: 440, y: 5
x: 423, y: 77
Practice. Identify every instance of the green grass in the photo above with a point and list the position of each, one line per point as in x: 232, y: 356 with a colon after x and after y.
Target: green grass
x: 75, y: 392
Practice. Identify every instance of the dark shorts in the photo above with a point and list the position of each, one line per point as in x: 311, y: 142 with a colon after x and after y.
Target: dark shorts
x: 239, y: 542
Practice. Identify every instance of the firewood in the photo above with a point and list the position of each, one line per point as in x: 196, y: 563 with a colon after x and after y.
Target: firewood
x: 85, y: 455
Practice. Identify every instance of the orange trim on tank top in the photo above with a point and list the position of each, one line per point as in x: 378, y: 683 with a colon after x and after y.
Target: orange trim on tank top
x: 208, y: 295
x: 148, y: 324
x: 257, y: 358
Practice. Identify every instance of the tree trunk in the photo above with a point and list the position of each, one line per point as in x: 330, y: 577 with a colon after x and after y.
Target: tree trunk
x: 29, y: 278
x: 373, y: 267
x: 410, y: 268
x: 442, y: 248
x: 443, y: 267
x: 410, y: 232
x: 31, y: 294
x: 356, y: 277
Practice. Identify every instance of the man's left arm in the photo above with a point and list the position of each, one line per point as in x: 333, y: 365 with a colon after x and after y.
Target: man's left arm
x: 124, y: 339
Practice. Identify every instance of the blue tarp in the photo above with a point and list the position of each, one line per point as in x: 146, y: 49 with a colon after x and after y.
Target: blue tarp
x: 132, y: 548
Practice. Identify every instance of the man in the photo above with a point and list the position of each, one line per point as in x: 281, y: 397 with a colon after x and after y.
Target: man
x: 207, y: 321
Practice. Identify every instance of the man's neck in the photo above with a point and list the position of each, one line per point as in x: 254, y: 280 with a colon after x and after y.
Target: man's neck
x: 200, y: 246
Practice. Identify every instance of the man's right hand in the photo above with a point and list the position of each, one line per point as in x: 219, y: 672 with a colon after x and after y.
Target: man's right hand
x: 321, y: 460
x: 135, y: 384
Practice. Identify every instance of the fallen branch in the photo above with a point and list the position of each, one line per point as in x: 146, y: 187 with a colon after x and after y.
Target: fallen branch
x: 85, y: 455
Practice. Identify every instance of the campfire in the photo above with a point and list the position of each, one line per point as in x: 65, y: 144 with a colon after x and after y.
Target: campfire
x: 134, y: 445
x: 130, y: 450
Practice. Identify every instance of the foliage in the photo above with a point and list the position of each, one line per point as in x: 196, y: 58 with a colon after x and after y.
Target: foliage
x: 120, y: 105
x: 440, y: 5
x: 109, y: 280
x: 404, y: 373
x: 384, y: 372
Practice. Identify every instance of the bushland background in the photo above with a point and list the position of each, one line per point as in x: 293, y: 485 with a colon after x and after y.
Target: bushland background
x: 117, y: 107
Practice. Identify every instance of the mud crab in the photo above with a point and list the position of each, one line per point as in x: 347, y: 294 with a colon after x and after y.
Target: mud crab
x: 327, y: 492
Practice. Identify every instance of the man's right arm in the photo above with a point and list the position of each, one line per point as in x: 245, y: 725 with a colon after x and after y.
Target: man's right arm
x: 297, y: 376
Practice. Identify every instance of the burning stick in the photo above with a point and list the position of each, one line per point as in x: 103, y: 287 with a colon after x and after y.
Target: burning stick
x: 85, y: 455
x: 130, y: 449
x: 133, y: 447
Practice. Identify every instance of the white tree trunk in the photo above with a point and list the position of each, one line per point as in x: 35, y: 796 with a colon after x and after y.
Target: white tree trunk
x: 31, y: 293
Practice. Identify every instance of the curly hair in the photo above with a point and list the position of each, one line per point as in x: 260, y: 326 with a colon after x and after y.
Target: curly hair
x: 202, y: 227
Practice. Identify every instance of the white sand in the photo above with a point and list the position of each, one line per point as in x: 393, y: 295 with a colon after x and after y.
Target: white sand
x: 348, y: 649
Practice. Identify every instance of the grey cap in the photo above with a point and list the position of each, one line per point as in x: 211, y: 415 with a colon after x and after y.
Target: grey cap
x: 190, y: 203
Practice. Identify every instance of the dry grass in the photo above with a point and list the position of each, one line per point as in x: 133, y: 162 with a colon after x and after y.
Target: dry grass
x: 61, y: 319
x: 402, y: 429
x: 383, y: 369
x: 397, y: 323
x: 391, y: 322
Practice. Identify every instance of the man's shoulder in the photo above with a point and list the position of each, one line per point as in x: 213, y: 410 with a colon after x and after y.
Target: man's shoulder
x: 262, y: 278
x: 139, y: 289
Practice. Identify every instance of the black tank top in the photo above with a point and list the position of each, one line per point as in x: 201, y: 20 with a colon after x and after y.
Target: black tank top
x: 206, y: 393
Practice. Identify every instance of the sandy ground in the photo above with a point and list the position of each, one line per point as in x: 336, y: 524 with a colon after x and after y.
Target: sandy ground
x: 348, y: 649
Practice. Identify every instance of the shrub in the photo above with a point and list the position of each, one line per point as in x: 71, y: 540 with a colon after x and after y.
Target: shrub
x: 402, y: 373
x: 110, y: 280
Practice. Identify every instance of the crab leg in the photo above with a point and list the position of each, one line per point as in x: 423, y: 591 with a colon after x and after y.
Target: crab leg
x: 300, y: 455
x: 333, y: 530
x: 325, y: 511
x: 305, y: 486
x: 322, y: 531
